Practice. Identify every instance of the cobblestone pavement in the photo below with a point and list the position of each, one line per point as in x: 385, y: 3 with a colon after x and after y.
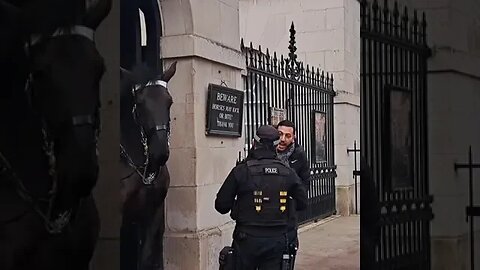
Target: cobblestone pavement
x: 332, y: 243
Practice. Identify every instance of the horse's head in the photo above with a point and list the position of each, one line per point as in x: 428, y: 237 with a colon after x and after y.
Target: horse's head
x: 65, y: 74
x: 150, y: 106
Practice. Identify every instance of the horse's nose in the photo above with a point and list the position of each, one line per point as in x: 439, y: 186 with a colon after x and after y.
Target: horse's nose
x: 78, y: 161
x: 159, y: 150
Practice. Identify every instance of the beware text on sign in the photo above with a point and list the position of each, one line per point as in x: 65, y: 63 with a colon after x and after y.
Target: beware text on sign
x: 224, y: 111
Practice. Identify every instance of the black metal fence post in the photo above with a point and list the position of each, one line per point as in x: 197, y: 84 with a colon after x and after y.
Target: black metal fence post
x: 471, y: 210
x: 356, y: 172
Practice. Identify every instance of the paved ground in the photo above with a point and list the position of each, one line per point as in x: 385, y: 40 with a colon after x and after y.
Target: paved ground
x: 333, y: 243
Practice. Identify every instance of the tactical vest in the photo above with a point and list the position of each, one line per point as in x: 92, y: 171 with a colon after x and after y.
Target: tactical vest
x: 266, y: 201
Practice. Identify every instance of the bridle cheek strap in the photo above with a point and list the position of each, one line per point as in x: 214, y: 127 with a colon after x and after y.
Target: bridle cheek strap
x: 81, y: 120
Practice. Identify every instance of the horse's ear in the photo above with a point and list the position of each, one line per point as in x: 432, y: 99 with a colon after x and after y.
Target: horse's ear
x: 126, y: 74
x: 167, y: 75
x: 9, y: 11
x: 96, y: 14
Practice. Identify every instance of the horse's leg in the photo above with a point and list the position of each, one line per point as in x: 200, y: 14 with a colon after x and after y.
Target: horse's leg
x: 129, y: 235
x: 158, y: 239
x: 152, y: 251
x: 18, y: 241
x: 161, y: 236
x: 51, y: 253
x: 157, y: 225
x: 130, y: 232
x: 84, y: 235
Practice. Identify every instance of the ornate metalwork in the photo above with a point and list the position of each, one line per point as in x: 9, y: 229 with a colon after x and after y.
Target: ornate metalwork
x: 292, y: 67
x: 279, y: 87
x: 395, y: 218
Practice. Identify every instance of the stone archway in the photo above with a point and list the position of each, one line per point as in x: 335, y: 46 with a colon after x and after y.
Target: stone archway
x: 141, y: 30
x: 203, y: 37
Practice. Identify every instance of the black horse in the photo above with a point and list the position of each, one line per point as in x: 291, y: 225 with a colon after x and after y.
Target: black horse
x: 145, y: 130
x: 49, y: 112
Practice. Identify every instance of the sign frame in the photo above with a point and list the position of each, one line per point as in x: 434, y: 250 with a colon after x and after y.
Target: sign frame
x: 210, y: 127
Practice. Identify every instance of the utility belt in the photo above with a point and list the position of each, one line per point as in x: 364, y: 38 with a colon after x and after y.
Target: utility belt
x: 227, y: 257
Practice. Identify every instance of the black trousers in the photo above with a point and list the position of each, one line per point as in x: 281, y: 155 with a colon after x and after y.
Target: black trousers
x: 254, y: 252
x: 293, y: 236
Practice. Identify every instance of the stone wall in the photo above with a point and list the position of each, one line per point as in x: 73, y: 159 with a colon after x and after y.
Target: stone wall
x: 202, y: 35
x: 453, y: 106
x: 107, y: 190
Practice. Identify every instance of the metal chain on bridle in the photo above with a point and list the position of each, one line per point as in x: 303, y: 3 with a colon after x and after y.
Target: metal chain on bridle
x: 56, y: 225
x: 141, y: 170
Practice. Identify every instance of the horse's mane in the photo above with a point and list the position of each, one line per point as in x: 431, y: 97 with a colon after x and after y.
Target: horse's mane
x: 142, y: 73
x: 60, y: 13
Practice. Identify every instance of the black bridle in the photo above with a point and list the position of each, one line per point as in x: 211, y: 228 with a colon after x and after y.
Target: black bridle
x: 141, y: 170
x: 56, y: 225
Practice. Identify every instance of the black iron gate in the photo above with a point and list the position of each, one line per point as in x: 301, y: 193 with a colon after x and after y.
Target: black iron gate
x: 396, y: 211
x: 280, y: 88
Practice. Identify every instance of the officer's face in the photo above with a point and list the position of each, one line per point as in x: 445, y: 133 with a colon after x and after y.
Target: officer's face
x: 286, y: 137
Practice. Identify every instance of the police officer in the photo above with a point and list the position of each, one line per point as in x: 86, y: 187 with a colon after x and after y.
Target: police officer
x: 261, y: 185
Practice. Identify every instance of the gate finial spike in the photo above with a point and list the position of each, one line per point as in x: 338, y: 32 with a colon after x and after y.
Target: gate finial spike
x: 322, y: 79
x: 274, y: 65
x: 415, y: 26
x: 376, y: 16
x: 405, y: 12
x: 386, y: 17
x: 282, y: 63
x: 396, y: 15
x: 424, y: 28
x: 363, y: 13
x: 267, y: 60
x: 415, y: 18
x: 396, y: 12
x: 292, y: 48
x: 405, y: 23
x: 375, y: 5
x: 317, y: 76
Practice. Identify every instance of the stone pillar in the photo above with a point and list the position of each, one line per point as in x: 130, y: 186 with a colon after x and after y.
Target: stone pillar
x: 328, y: 37
x: 343, y: 59
x: 453, y: 33
x: 107, y: 190
x: 202, y: 35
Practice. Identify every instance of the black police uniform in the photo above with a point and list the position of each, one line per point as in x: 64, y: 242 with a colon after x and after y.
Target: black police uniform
x: 262, y: 185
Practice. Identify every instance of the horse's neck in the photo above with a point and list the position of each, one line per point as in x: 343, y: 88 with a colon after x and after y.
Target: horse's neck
x: 21, y: 145
x: 130, y: 136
